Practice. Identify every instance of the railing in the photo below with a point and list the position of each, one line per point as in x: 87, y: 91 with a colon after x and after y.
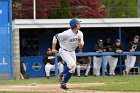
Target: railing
x: 96, y: 54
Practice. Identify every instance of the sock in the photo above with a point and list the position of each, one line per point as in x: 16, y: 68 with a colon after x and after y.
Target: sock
x: 66, y: 69
x: 67, y: 77
x: 67, y: 74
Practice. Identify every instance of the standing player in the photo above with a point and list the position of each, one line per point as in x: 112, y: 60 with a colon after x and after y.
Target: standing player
x: 98, y: 59
x: 131, y: 59
x: 108, y: 47
x: 69, y: 40
x: 117, y: 47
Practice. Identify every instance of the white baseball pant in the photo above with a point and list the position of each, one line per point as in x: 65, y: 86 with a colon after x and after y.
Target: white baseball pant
x: 49, y: 67
x: 69, y: 58
x: 113, y: 65
x: 130, y: 62
x: 97, y: 65
x: 79, y: 68
x: 108, y: 60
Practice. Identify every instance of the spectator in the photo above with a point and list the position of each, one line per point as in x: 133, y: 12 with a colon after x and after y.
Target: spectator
x: 117, y: 47
x: 48, y: 60
x: 97, y: 59
x: 133, y: 46
x: 108, y: 48
x: 83, y: 63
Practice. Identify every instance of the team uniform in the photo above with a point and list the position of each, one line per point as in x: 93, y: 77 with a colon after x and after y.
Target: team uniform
x: 114, y: 60
x: 69, y: 41
x: 49, y: 64
x: 108, y: 48
x: 131, y: 59
x: 84, y: 64
x: 97, y: 60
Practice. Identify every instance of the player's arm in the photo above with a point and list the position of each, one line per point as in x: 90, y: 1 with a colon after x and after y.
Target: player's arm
x: 89, y: 58
x: 80, y: 41
x: 58, y: 37
x: 54, y: 42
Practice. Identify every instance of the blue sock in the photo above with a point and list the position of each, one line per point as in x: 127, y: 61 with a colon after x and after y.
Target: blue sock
x: 66, y: 69
x: 67, y: 77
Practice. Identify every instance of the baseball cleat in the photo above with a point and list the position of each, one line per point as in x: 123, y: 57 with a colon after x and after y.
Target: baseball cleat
x: 124, y: 73
x: 63, y: 86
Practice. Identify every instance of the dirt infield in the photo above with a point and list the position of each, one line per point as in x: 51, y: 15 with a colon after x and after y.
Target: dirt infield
x: 54, y: 88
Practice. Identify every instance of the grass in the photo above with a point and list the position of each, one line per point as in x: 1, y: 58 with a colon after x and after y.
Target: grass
x: 114, y: 83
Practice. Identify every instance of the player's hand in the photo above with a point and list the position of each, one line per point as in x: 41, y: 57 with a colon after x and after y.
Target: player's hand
x: 119, y: 51
x: 100, y: 50
x: 132, y: 50
x: 54, y: 51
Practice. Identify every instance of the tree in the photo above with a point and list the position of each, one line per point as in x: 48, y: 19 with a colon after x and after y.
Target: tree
x: 24, y: 8
x: 63, y: 11
x: 58, y: 9
x: 87, y: 9
x: 120, y: 8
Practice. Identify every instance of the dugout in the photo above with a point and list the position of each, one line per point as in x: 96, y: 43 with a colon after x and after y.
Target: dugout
x: 33, y: 37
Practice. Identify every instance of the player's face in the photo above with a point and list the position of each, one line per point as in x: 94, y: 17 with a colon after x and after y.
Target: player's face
x: 100, y: 43
x: 136, y: 40
x: 108, y: 39
x: 49, y: 52
x: 118, y: 43
x: 78, y: 26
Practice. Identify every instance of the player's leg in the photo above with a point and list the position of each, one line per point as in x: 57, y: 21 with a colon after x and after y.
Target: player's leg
x: 96, y: 66
x: 47, y: 70
x: 71, y: 63
x: 128, y: 61
x: 87, y: 70
x: 131, y: 64
x: 106, y: 62
x: 78, y: 70
x: 60, y: 67
x: 113, y: 66
x: 69, y: 68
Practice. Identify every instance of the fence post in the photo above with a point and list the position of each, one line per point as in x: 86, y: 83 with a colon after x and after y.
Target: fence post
x: 56, y: 65
x: 103, y: 66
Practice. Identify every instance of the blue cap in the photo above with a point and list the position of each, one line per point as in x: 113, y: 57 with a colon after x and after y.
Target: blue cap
x: 73, y: 22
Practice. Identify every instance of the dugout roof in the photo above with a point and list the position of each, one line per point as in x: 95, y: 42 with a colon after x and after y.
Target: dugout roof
x: 63, y: 23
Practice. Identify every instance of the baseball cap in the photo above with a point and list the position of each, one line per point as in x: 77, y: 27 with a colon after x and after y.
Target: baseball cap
x: 117, y: 40
x: 73, y: 22
x: 100, y: 40
x: 136, y: 36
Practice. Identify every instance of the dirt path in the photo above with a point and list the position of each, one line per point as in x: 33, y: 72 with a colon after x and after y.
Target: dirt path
x: 53, y: 88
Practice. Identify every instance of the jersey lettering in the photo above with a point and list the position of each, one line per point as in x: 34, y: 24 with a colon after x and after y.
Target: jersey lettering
x: 73, y: 39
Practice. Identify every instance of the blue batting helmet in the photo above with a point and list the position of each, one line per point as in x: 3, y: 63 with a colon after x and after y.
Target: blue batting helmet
x: 73, y: 22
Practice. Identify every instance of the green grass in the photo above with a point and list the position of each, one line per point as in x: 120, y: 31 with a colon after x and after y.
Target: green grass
x: 114, y: 83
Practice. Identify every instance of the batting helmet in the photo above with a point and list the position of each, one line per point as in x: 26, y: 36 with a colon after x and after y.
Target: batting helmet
x: 73, y: 22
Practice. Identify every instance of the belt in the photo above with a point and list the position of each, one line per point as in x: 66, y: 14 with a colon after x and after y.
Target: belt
x: 67, y: 50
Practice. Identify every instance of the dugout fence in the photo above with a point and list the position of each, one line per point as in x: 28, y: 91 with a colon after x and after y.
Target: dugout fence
x: 103, y: 54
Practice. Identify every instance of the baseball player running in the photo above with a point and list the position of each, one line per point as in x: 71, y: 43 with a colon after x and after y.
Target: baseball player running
x: 69, y: 40
x: 131, y: 59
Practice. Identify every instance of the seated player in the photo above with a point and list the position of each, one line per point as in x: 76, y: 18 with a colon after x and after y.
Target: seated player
x: 134, y: 46
x: 117, y: 47
x: 84, y: 64
x: 98, y: 59
x: 48, y: 60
